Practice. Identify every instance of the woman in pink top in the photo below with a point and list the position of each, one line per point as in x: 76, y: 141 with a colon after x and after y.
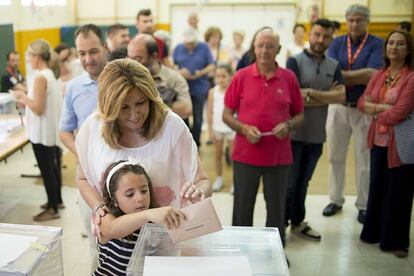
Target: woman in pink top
x: 389, y: 98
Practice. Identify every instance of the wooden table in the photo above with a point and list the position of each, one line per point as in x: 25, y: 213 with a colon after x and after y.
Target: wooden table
x: 14, y: 141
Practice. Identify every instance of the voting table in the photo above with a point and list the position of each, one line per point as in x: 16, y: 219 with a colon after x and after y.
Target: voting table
x: 42, y: 255
x: 261, y: 245
x: 12, y: 135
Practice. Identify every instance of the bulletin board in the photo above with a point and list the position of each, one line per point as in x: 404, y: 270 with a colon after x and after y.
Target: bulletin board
x: 228, y: 17
x: 6, y: 44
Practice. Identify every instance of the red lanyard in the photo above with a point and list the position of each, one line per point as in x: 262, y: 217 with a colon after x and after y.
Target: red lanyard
x: 12, y: 72
x: 351, y: 59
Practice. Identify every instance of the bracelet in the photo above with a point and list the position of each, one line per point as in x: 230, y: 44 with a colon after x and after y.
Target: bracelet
x: 375, y: 109
x: 98, y: 206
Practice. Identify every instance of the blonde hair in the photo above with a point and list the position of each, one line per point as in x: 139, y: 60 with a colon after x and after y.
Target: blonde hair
x: 41, y: 48
x: 118, y: 78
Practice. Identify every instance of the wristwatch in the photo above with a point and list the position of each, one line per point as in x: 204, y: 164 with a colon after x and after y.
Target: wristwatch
x: 308, y: 98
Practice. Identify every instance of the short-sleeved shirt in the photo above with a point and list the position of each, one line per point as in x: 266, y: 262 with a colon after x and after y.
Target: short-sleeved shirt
x: 170, y: 158
x: 172, y: 79
x: 162, y: 48
x: 10, y: 78
x: 114, y: 256
x: 371, y: 56
x: 316, y: 75
x: 264, y: 104
x: 198, y: 59
x: 81, y: 99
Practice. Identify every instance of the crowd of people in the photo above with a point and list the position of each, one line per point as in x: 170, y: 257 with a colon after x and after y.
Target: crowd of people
x: 133, y: 113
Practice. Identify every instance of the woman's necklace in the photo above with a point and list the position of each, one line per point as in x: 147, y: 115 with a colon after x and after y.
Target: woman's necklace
x: 391, y: 80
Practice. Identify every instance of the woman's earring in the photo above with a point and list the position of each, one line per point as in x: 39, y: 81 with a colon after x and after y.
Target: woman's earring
x: 115, y: 204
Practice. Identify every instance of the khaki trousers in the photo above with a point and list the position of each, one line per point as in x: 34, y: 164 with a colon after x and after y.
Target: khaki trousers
x: 342, y: 122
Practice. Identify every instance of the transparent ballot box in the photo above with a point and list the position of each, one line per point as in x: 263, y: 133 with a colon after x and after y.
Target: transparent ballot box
x: 42, y: 257
x: 261, y: 245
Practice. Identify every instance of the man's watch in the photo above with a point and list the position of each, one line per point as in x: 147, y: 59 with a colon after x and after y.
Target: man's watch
x: 290, y: 125
x: 308, y: 98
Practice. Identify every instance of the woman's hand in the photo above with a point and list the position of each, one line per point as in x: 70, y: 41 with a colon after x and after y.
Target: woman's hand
x: 96, y: 220
x: 192, y: 193
x: 20, y: 96
x: 169, y: 216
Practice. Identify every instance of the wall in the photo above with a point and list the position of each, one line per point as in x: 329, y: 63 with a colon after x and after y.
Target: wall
x: 31, y: 23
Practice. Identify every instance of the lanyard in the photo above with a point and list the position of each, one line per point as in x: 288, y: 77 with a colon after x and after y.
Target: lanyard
x: 351, y: 59
x: 12, y: 73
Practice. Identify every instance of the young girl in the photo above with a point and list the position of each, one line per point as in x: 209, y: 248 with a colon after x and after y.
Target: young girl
x: 128, y: 196
x: 218, y: 130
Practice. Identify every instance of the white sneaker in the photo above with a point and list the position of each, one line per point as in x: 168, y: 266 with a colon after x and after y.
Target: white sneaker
x: 305, y: 231
x: 218, y: 184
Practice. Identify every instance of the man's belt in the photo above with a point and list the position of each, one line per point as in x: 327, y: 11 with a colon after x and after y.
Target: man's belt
x: 351, y: 104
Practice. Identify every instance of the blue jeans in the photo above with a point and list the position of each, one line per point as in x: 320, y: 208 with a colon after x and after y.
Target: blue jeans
x: 198, y: 104
x: 305, y: 158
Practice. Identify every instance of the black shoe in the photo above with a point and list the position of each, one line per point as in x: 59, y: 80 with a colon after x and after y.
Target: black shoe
x: 331, y: 209
x: 362, y: 214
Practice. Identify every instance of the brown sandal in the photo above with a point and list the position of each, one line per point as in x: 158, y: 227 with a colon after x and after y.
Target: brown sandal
x: 45, y: 215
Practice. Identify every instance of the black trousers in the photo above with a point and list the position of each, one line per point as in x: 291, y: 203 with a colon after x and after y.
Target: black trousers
x: 48, y: 160
x: 305, y: 158
x: 246, y: 184
x: 389, y: 203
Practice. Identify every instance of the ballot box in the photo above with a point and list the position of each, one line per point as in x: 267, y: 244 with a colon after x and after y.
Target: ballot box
x: 6, y: 103
x: 261, y: 245
x: 31, y: 250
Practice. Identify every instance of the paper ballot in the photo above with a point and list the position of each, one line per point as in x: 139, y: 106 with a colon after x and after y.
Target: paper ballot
x: 202, y: 219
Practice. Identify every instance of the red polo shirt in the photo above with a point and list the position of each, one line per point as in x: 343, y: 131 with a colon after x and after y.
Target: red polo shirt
x: 263, y: 103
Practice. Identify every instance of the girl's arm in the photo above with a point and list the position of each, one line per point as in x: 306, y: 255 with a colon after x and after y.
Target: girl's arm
x: 38, y: 103
x: 119, y: 227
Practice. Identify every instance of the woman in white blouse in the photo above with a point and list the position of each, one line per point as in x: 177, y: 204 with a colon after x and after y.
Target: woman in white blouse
x: 298, y: 43
x: 43, y: 103
x: 133, y: 122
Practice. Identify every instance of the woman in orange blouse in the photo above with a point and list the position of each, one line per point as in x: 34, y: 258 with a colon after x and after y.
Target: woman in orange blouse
x: 389, y: 98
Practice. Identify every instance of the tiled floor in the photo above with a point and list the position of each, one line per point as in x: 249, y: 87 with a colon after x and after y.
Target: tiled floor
x: 339, y: 253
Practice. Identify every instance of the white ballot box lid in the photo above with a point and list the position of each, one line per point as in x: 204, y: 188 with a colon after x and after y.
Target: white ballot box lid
x: 40, y: 250
x: 261, y: 245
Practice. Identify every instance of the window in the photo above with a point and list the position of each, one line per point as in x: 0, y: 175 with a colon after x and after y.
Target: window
x: 43, y: 3
x: 5, y: 2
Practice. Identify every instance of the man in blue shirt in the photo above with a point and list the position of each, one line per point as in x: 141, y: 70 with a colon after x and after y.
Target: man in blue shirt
x: 81, y: 96
x: 194, y: 61
x: 81, y: 99
x: 360, y: 55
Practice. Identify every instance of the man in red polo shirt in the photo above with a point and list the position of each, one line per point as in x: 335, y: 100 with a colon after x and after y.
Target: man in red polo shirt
x: 145, y: 24
x: 269, y: 105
